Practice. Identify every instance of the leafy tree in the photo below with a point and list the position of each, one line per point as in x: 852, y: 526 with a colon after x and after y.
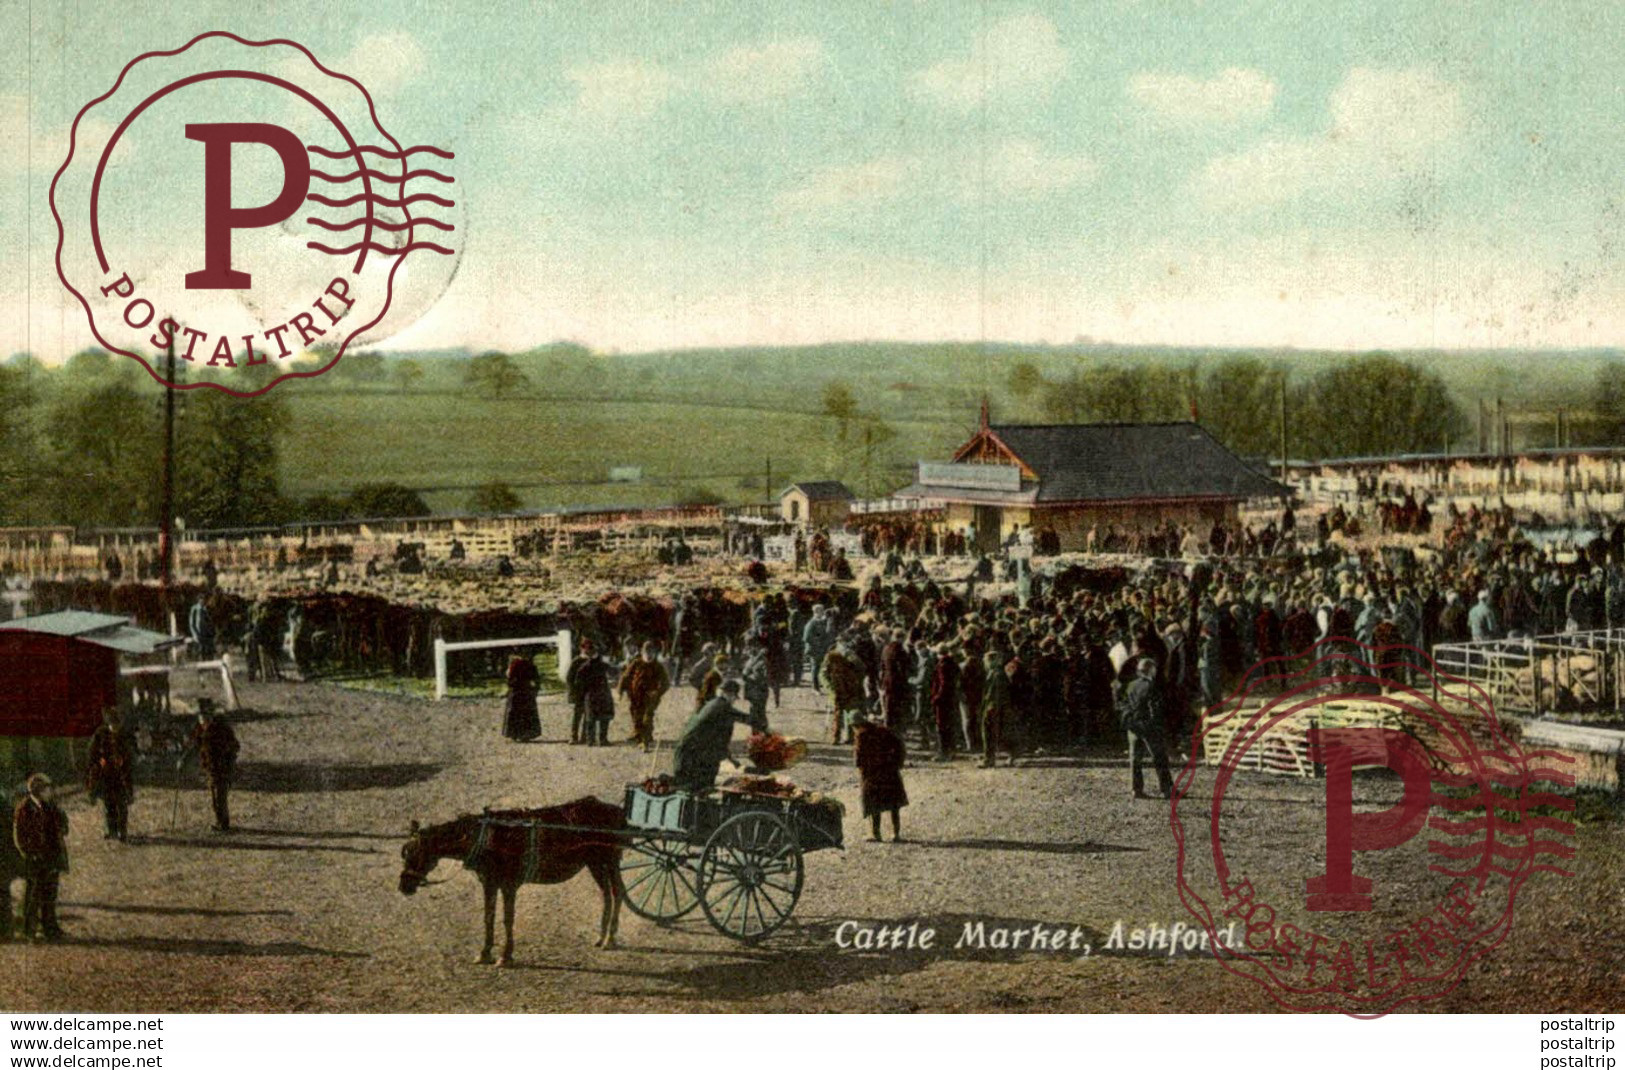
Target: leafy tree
x: 494, y: 497
x: 1108, y: 393
x: 1608, y: 401
x: 1025, y: 380
x: 324, y: 507
x: 701, y: 496
x: 494, y: 375
x: 226, y: 460
x: 19, y: 441
x: 104, y: 456
x: 840, y: 405
x: 361, y: 367
x: 1240, y: 404
x: 1370, y: 405
x: 407, y: 374
x: 386, y: 499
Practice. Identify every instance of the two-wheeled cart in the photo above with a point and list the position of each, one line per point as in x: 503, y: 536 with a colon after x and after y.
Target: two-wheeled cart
x: 737, y: 856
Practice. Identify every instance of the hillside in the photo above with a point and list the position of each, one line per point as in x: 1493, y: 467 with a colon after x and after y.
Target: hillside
x: 703, y: 423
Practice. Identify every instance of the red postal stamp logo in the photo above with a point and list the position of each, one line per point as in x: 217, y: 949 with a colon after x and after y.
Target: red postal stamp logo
x: 243, y: 203
x: 1420, y: 866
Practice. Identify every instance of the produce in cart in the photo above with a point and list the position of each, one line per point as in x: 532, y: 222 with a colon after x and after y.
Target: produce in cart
x: 771, y: 753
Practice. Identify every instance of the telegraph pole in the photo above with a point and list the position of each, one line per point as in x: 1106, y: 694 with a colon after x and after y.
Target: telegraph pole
x: 767, y: 483
x: 166, y: 519
x: 1283, y: 427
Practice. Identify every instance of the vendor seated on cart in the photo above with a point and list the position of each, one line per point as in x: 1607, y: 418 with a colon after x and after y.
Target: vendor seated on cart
x: 704, y: 742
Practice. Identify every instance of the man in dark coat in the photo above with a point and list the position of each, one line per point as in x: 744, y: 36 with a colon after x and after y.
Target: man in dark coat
x: 972, y: 678
x: 879, y: 756
x: 644, y: 682
x: 201, y: 626
x: 944, y: 692
x: 217, y: 749
x: 996, y: 706
x: 592, y: 700
x: 520, y: 721
x: 110, y: 774
x: 703, y: 744
x: 1140, y: 712
x: 844, y: 674
x: 817, y: 636
x: 39, y: 828
x: 894, y: 673
x: 795, y: 643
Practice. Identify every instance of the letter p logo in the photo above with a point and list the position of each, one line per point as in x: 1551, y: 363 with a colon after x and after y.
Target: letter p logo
x: 1341, y: 749
x: 219, y: 217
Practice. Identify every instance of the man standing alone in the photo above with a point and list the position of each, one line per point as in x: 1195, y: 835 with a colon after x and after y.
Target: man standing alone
x: 217, y: 749
x: 110, y: 774
x: 39, y: 828
x: 1141, y: 713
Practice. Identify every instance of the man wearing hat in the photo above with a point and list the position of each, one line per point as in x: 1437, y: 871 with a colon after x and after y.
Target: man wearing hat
x: 39, y: 828
x: 844, y: 674
x: 817, y: 636
x: 1140, y: 712
x: 703, y: 744
x: 644, y: 682
x: 109, y: 773
x: 217, y: 749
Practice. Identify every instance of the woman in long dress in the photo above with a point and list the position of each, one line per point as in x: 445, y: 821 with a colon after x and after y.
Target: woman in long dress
x: 520, y: 721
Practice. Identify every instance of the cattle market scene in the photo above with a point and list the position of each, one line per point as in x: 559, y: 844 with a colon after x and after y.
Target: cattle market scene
x: 846, y: 508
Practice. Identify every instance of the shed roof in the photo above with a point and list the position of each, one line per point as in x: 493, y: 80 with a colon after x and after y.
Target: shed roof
x: 102, y: 629
x: 1110, y: 462
x: 829, y: 490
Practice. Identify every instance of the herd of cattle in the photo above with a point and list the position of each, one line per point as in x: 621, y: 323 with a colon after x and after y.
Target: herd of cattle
x: 325, y: 631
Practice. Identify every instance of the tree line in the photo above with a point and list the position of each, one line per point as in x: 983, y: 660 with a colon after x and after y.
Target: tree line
x: 82, y: 445
x: 1358, y: 406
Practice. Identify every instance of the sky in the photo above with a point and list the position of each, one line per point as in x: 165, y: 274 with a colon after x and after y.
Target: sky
x: 640, y: 176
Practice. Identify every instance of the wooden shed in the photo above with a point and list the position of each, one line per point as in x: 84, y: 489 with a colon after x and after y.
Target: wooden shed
x: 58, y: 672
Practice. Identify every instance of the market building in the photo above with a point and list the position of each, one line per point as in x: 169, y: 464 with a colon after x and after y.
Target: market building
x: 1070, y: 479
x: 816, y: 504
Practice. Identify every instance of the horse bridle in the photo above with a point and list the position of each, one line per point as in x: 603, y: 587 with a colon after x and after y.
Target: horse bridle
x: 419, y: 876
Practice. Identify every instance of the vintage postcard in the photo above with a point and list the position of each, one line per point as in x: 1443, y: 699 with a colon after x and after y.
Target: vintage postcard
x: 762, y: 507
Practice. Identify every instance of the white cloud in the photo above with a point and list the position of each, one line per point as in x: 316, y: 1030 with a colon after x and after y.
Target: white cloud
x: 1015, y: 169
x: 1386, y: 126
x: 765, y: 73
x: 1020, y: 56
x: 1401, y: 113
x: 851, y: 185
x: 620, y: 88
x: 44, y: 150
x: 1022, y: 168
x: 384, y: 62
x: 1234, y: 95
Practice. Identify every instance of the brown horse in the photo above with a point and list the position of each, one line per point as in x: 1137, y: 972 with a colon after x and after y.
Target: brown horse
x: 507, y: 848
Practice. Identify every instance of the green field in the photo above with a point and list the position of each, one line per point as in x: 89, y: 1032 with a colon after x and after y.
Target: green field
x: 708, y: 422
x: 559, y: 452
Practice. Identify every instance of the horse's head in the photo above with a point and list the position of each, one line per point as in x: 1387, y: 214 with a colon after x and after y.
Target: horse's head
x: 416, y: 861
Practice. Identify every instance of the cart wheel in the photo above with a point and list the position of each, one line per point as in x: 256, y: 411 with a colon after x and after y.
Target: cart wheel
x: 658, y: 881
x: 750, y: 875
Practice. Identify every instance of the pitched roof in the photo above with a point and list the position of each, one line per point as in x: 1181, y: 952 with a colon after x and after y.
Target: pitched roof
x: 821, y: 491
x: 1116, y: 462
x: 102, y: 629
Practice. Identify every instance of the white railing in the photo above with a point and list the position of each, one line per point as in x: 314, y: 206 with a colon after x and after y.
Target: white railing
x: 222, y: 664
x: 560, y: 642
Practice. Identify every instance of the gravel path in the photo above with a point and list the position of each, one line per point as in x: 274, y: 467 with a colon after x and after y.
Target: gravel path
x: 297, y: 909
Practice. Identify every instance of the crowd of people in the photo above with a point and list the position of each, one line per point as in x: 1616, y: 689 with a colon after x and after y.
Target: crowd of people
x: 960, y: 668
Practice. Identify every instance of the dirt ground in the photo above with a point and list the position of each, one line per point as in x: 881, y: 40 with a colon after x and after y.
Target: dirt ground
x: 297, y: 909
